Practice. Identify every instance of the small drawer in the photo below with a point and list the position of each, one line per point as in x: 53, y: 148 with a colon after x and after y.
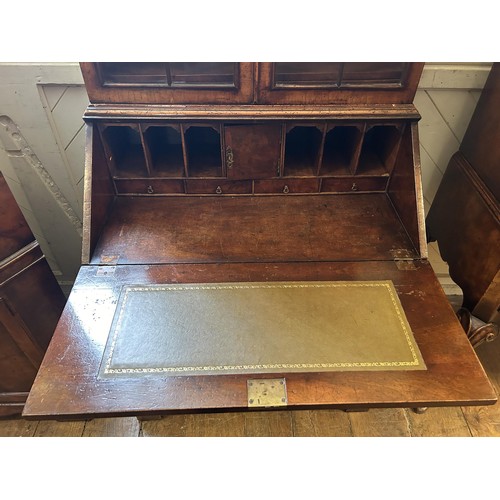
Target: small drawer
x: 216, y: 186
x: 354, y: 184
x: 149, y: 186
x: 285, y: 186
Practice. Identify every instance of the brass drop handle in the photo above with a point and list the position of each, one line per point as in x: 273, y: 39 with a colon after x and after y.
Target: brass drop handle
x: 286, y: 189
x: 229, y: 157
x: 354, y: 187
x: 150, y: 190
x: 218, y: 190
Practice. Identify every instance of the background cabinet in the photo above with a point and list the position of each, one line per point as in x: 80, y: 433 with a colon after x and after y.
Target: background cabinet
x: 30, y: 305
x: 465, y: 215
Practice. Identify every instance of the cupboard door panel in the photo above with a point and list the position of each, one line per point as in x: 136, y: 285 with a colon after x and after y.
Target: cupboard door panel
x: 337, y: 83
x: 169, y: 83
x: 306, y: 75
x: 20, y: 357
x: 16, y: 233
x: 252, y: 151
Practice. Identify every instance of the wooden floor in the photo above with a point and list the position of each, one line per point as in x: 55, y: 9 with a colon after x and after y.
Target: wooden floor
x: 453, y: 421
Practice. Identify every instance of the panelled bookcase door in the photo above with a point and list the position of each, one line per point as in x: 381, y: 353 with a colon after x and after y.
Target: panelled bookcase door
x: 234, y: 83
x: 337, y: 83
x: 169, y: 83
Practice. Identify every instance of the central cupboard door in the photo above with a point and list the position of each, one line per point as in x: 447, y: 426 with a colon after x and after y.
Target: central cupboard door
x: 252, y: 151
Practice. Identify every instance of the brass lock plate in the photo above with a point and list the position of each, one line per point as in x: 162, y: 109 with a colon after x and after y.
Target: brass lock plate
x: 266, y: 393
x: 106, y: 270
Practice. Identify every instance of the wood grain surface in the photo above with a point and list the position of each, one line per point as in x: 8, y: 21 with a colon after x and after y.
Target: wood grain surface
x: 142, y: 230
x: 73, y: 360
x: 472, y: 421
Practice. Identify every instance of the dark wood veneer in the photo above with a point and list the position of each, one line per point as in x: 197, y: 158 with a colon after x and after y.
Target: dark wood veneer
x: 151, y: 94
x: 465, y: 215
x: 31, y: 302
x: 276, y: 228
x: 16, y: 233
x: 369, y: 94
x: 77, y: 352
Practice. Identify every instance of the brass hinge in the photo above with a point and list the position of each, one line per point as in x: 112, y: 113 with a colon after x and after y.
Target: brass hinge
x: 267, y: 393
x: 403, y: 259
x: 105, y: 271
x: 405, y: 265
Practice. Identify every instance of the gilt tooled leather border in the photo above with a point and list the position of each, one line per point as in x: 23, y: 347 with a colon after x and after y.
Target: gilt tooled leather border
x: 127, y: 289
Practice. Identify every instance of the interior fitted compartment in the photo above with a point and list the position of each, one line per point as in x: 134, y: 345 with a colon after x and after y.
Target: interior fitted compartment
x: 203, y: 151
x: 362, y: 217
x: 165, y: 148
x: 125, y: 150
x: 302, y: 150
x: 252, y: 151
x: 341, y: 150
x: 379, y: 149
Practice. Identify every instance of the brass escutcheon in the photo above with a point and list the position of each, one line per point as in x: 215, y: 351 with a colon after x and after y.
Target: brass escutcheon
x: 229, y: 157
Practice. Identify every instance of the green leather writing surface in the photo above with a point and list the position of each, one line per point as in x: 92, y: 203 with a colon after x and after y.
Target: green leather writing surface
x: 218, y: 328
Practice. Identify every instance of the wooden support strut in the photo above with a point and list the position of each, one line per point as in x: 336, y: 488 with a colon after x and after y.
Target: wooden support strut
x: 477, y: 330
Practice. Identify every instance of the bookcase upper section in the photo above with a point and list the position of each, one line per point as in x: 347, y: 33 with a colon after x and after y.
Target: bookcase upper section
x: 295, y: 83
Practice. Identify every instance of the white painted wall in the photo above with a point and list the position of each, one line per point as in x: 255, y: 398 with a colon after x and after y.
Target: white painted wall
x: 446, y: 98
x: 41, y: 155
x: 42, y: 143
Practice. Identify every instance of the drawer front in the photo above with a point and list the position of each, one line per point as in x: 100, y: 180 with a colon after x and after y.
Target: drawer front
x: 353, y: 184
x: 285, y: 186
x: 149, y: 186
x: 216, y: 186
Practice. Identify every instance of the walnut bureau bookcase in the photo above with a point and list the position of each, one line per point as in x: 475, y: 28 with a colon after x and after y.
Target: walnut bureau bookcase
x: 254, y: 237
